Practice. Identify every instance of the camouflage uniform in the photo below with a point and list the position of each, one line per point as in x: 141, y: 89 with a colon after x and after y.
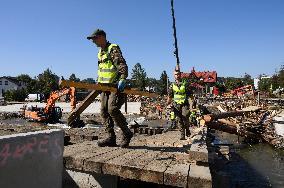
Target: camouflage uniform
x: 112, y: 102
x: 181, y: 111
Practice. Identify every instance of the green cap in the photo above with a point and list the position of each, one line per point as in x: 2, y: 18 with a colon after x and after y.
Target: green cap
x: 96, y: 33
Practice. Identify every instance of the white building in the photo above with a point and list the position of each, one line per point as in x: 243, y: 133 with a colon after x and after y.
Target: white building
x: 9, y: 83
x: 255, y: 83
x: 256, y: 80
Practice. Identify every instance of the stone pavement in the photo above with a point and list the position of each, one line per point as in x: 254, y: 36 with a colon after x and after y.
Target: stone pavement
x: 161, y: 159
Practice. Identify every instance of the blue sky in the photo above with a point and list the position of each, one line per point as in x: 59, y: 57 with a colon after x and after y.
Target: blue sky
x: 232, y: 37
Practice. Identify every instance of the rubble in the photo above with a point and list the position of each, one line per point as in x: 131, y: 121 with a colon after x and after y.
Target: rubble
x: 9, y: 115
x: 244, y: 118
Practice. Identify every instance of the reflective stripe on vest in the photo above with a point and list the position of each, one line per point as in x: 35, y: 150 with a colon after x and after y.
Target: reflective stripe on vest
x: 179, y: 93
x: 107, y: 71
x: 172, y: 115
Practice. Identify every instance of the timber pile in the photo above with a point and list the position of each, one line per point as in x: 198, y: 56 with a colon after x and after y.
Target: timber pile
x: 150, y: 107
x: 252, y: 122
x: 134, y: 98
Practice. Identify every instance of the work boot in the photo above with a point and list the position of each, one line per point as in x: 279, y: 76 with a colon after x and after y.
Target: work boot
x: 127, y: 135
x: 110, y: 141
x: 187, y: 132
x: 182, y: 134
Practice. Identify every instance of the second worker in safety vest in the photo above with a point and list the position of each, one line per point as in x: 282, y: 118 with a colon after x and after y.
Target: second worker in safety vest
x: 178, y: 95
x: 112, y: 71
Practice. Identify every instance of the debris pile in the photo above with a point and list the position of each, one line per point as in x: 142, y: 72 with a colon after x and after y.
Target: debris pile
x: 10, y: 115
x: 239, y: 117
x: 154, y: 108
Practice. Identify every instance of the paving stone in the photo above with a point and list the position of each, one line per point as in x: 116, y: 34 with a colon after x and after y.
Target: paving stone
x: 199, y: 176
x: 118, y: 166
x: 156, y: 168
x: 176, y: 175
x: 95, y: 163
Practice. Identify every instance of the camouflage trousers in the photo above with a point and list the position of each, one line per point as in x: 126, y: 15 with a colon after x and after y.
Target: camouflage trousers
x: 182, y: 113
x: 110, y: 111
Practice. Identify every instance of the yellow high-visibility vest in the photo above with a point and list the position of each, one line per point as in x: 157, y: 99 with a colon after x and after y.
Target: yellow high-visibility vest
x: 172, y: 115
x: 179, y: 93
x: 107, y: 71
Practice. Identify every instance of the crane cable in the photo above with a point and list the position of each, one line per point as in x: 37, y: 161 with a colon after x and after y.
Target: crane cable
x: 175, y: 36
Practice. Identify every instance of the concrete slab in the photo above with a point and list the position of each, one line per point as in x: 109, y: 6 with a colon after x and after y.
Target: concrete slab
x: 33, y: 159
x: 199, y: 176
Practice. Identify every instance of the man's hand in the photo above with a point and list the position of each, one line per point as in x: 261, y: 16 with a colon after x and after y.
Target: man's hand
x: 121, y: 85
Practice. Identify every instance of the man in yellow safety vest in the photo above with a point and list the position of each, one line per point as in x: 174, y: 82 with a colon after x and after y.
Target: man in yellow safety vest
x: 179, y: 92
x: 112, y: 71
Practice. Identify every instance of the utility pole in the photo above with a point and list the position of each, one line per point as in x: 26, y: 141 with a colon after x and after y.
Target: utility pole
x: 175, y: 36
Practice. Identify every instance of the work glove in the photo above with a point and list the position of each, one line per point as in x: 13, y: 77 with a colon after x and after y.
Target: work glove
x: 121, y: 85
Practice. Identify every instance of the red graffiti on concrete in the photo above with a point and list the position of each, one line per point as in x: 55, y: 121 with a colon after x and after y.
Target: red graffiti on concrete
x: 5, y: 154
x: 33, y: 145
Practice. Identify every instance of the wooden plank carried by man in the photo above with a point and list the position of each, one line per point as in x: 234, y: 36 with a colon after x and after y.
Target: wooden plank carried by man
x: 97, y: 89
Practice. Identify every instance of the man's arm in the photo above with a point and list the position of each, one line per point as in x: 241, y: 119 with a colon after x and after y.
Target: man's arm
x: 117, y: 58
x: 170, y: 95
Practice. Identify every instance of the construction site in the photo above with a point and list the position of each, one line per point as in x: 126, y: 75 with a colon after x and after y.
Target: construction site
x: 195, y: 130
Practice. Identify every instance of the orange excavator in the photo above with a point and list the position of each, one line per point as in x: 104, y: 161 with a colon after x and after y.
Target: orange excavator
x: 51, y: 113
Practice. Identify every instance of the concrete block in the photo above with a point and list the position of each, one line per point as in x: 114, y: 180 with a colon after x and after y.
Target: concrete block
x: 33, y: 159
x: 199, y: 176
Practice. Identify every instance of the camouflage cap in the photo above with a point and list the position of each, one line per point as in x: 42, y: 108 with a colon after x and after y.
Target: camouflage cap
x: 96, y: 33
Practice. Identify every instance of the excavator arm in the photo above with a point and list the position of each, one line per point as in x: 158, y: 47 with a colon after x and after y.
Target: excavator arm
x: 57, y: 94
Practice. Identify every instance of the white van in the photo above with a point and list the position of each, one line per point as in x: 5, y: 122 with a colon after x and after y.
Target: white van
x: 34, y: 97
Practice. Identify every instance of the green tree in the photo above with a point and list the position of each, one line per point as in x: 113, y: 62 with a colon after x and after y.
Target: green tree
x: 162, y: 87
x: 30, y: 83
x: 281, y: 76
x: 16, y: 95
x: 247, y: 80
x: 139, y: 77
x: 265, y: 84
x: 89, y: 81
x: 74, y: 78
x: 153, y: 84
x: 232, y: 83
x: 47, y: 82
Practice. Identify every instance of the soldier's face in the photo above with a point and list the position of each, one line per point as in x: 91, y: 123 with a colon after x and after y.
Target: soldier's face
x: 177, y: 75
x: 99, y: 40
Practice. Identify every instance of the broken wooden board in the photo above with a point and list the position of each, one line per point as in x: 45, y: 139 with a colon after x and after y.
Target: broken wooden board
x: 75, y: 114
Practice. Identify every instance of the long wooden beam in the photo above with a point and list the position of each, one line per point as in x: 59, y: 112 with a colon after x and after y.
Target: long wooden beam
x: 75, y: 114
x: 100, y: 87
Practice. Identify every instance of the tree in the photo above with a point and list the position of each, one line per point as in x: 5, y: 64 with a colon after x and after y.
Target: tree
x: 139, y: 77
x: 74, y: 78
x: 247, y: 80
x: 89, y: 81
x: 47, y: 82
x: 30, y: 83
x: 153, y: 84
x: 232, y: 83
x: 163, y: 83
x: 265, y: 84
x: 15, y: 95
x: 281, y: 76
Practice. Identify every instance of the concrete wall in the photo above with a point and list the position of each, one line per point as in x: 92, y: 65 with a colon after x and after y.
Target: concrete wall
x: 33, y: 159
x: 76, y: 179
